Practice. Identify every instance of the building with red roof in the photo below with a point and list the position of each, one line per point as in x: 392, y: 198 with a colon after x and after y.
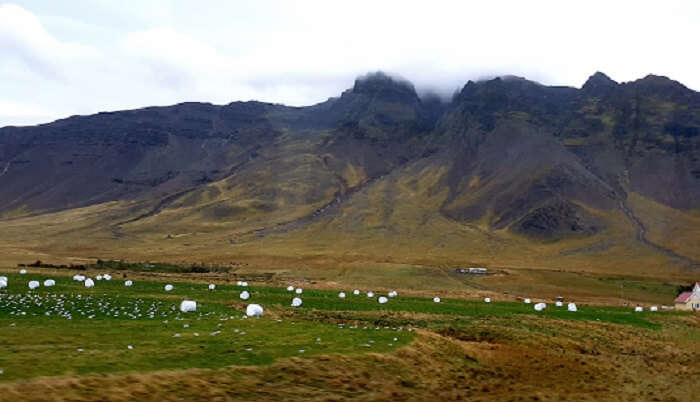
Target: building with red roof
x: 689, y: 300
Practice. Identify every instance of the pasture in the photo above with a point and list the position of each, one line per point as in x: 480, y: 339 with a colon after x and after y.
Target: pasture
x: 72, y: 331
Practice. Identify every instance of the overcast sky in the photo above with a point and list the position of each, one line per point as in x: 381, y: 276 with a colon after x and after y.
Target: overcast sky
x: 59, y: 58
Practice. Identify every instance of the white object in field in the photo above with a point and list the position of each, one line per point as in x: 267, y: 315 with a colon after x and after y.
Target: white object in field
x: 639, y: 309
x: 558, y: 303
x: 188, y: 306
x: 130, y: 347
x: 487, y: 300
x: 290, y: 288
x: 341, y: 295
x: 49, y: 282
x: 128, y: 283
x: 3, y: 279
x: 370, y: 294
x: 540, y: 306
x: 33, y: 284
x: 89, y: 283
x: 436, y: 299
x: 245, y: 295
x: 98, y: 277
x: 239, y: 283
x: 572, y: 307
x: 22, y: 271
x: 212, y: 286
x: 254, y: 310
x: 296, y: 302
x: 356, y: 292
x: 78, y: 277
x: 244, y: 284
x: 653, y: 308
x: 107, y: 277
x: 299, y: 291
x: 528, y: 301
x: 3, y: 284
x: 383, y: 300
x: 168, y: 287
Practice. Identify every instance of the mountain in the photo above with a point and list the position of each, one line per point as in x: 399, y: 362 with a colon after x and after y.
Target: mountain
x: 508, y: 172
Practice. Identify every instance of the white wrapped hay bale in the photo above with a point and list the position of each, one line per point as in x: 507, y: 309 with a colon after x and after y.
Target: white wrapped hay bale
x: 528, y: 301
x: 299, y: 291
x: 341, y: 295
x: 212, y: 286
x: 290, y: 288
x: 107, y: 277
x: 296, y: 302
x: 558, y: 303
x: 540, y: 306
x: 370, y: 294
x: 98, y: 277
x: 639, y: 309
x: 169, y: 287
x: 653, y: 308
x: 254, y: 310
x: 487, y: 300
x: 89, y: 283
x: 188, y: 306
x: 244, y: 284
x: 49, y: 283
x: 393, y: 293
x: 244, y: 295
x: 239, y: 283
x: 128, y: 283
x: 3, y: 284
x: 356, y: 292
x: 436, y: 300
x: 383, y: 300
x: 572, y: 307
x: 78, y: 277
x: 33, y: 285
x: 22, y: 271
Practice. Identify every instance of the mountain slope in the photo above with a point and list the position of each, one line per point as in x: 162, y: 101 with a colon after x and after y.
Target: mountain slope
x: 508, y: 172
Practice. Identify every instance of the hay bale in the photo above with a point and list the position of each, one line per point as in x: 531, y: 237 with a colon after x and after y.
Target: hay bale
x: 436, y: 300
x: 653, y: 308
x: 356, y: 292
x: 49, y: 283
x: 239, y: 283
x: 370, y: 294
x: 487, y: 300
x: 296, y: 302
x: 382, y: 300
x: 244, y: 295
x: 639, y: 309
x: 299, y: 291
x: 393, y: 293
x: 128, y: 283
x: 78, y: 277
x: 212, y: 286
x: 3, y: 284
x: 168, y: 287
x: 98, y: 277
x: 244, y: 284
x: 89, y: 283
x: 558, y: 303
x: 188, y: 306
x: 254, y: 310
x: 341, y: 295
x: 290, y: 288
x: 528, y: 301
x: 22, y: 271
x: 33, y: 285
x: 540, y: 306
x: 107, y: 277
x: 572, y: 307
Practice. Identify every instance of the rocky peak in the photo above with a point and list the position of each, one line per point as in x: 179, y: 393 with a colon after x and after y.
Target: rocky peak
x: 599, y: 84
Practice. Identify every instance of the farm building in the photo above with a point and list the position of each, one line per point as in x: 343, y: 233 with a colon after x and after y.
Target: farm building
x: 689, y: 300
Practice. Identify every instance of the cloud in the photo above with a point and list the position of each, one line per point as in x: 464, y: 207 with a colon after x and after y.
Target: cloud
x: 23, y: 37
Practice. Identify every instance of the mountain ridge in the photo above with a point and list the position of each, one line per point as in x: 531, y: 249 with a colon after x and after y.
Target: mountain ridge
x: 507, y: 157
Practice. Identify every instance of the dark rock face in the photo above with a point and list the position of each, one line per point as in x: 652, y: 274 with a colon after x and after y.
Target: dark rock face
x: 527, y: 156
x: 558, y: 219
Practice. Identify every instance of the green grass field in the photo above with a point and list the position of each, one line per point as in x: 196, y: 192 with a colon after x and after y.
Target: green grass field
x: 69, y: 329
